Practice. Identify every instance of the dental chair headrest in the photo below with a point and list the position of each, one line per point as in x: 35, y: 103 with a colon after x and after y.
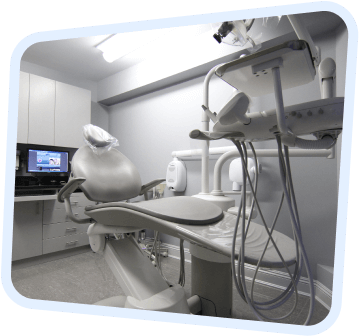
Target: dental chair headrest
x: 110, y: 175
x: 96, y: 136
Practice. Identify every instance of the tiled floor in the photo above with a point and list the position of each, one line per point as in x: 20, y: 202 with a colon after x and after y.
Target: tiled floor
x: 86, y: 278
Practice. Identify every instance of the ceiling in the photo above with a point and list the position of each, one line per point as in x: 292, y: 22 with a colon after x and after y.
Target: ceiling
x: 81, y: 59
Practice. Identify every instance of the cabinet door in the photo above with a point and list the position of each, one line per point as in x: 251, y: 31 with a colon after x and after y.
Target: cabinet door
x: 41, y: 111
x: 27, y: 234
x: 72, y: 111
x: 23, y: 111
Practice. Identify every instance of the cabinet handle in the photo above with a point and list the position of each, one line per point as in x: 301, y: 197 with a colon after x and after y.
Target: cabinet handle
x: 71, y: 243
x: 71, y: 229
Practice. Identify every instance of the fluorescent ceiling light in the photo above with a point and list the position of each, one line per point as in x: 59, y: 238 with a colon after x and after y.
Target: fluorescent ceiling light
x: 120, y: 45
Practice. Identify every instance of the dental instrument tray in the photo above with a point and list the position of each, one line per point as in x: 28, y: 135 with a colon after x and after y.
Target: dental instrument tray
x: 252, y: 73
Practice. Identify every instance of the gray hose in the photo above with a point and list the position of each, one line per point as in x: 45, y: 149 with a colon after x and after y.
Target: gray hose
x: 241, y: 254
x: 324, y: 143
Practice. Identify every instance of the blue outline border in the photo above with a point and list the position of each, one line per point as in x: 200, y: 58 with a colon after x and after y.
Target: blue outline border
x: 165, y: 23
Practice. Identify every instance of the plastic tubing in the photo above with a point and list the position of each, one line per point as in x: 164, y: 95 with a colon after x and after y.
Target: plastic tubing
x: 285, y: 294
x: 325, y: 143
x: 297, y: 234
x: 251, y: 303
x: 242, y: 252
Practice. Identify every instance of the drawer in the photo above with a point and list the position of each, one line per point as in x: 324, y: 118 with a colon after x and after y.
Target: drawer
x: 64, y: 243
x: 63, y: 229
x: 59, y: 215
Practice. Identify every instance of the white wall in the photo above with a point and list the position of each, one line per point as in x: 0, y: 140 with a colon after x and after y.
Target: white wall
x: 150, y: 127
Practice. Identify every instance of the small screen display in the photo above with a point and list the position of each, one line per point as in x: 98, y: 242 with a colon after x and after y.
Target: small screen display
x: 43, y: 161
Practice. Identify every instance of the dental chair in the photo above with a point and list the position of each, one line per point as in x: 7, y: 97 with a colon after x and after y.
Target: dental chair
x: 110, y: 179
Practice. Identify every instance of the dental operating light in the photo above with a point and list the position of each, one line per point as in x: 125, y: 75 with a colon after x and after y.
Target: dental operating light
x: 233, y: 32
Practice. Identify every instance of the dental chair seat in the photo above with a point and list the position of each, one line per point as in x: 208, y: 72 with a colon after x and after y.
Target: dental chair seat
x: 215, y: 236
x: 181, y: 209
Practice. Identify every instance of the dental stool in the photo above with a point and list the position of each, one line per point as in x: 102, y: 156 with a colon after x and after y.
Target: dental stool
x: 111, y: 179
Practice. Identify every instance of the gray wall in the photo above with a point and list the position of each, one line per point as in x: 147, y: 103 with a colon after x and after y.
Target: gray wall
x: 150, y: 127
x: 99, y: 115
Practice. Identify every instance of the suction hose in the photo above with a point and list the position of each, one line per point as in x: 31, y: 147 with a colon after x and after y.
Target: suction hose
x: 324, y: 143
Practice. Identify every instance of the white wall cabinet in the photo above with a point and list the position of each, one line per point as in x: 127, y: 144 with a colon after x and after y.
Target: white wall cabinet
x: 52, y: 113
x: 72, y: 111
x: 27, y: 234
x: 23, y: 114
x: 41, y: 111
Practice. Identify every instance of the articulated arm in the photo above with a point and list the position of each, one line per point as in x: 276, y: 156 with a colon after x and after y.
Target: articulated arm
x: 150, y: 185
x: 69, y: 188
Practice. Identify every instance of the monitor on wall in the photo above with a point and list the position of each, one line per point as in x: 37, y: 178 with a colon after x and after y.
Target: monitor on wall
x: 46, y: 161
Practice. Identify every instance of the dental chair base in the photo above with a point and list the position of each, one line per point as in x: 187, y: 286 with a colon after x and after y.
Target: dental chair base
x: 142, y: 283
x: 146, y: 289
x: 211, y: 281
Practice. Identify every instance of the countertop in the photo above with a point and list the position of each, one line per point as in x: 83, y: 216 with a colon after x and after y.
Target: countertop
x: 34, y: 198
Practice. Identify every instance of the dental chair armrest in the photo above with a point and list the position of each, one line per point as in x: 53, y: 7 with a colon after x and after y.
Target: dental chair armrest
x: 64, y: 196
x: 69, y: 188
x: 150, y: 185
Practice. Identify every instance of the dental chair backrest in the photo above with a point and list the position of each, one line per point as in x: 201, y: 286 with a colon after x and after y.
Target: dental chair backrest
x: 110, y: 177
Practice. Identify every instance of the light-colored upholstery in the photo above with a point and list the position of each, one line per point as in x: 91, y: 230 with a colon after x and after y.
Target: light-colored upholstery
x: 181, y: 209
x: 110, y: 177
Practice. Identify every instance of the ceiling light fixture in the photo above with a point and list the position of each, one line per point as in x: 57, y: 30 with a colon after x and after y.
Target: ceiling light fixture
x: 120, y: 45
